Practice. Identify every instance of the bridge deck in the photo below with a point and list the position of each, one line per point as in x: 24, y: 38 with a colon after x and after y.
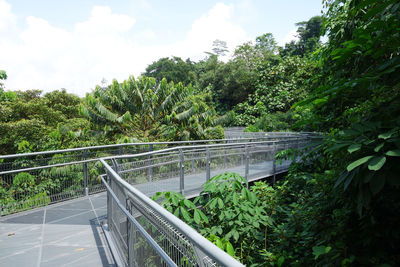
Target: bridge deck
x: 64, y: 234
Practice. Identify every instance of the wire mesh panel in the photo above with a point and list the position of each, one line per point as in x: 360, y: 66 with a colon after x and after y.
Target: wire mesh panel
x: 194, y: 173
x: 117, y: 220
x: 23, y: 190
x: 176, y: 246
x: 229, y: 158
x: 146, y: 234
x: 261, y: 160
x: 152, y: 173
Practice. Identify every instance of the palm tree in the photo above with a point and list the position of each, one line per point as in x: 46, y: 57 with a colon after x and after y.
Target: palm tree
x: 146, y: 110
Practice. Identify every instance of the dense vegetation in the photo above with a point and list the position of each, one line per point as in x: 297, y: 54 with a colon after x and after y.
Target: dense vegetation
x: 337, y: 207
x: 340, y: 205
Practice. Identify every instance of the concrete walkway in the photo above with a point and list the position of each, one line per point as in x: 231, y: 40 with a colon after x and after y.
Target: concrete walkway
x: 64, y: 234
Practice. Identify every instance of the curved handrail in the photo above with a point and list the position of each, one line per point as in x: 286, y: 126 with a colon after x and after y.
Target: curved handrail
x: 206, y: 246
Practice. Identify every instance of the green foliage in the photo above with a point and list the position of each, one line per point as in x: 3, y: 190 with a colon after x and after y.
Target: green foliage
x: 272, y: 122
x: 279, y: 86
x: 45, y: 122
x: 309, y: 33
x: 229, y: 214
x: 173, y: 69
x: 181, y: 208
x: 146, y: 110
x: 358, y: 102
x: 3, y: 76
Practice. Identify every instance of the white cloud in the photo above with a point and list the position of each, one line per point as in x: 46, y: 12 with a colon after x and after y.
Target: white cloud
x: 214, y: 25
x: 290, y: 36
x: 7, y: 18
x: 46, y: 57
x: 102, y: 21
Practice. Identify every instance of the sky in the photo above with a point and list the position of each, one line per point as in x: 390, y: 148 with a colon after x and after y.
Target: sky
x: 75, y: 44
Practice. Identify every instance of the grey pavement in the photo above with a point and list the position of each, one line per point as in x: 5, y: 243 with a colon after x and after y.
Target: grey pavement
x: 64, y: 234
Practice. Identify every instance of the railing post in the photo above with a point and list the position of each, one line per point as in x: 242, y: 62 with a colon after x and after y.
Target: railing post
x: 109, y: 202
x: 115, y: 165
x: 225, y: 155
x: 150, y: 169
x: 182, y: 172
x: 208, y: 161
x: 246, y: 170
x: 131, y: 236
x: 85, y: 173
x: 274, y: 164
x: 192, y: 160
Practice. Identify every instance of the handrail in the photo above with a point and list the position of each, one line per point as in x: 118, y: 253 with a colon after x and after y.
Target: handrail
x: 128, y: 144
x: 125, y: 156
x: 209, y: 248
x: 186, y: 147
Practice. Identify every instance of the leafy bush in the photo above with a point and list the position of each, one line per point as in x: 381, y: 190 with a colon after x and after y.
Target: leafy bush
x: 278, y: 121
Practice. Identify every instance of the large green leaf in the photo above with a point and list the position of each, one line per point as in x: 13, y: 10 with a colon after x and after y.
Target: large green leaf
x: 186, y: 214
x: 196, y: 216
x: 229, y: 249
x: 393, y: 153
x: 354, y: 148
x: 376, y: 163
x: 358, y: 162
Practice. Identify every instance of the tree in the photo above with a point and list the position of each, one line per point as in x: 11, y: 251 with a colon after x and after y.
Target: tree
x: 309, y: 33
x: 173, y: 69
x: 41, y: 122
x: 219, y: 47
x: 266, y: 44
x: 358, y: 103
x: 143, y: 109
x: 3, y: 76
x: 277, y: 88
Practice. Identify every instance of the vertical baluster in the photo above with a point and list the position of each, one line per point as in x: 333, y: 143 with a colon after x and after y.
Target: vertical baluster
x: 247, y: 157
x: 182, y: 172
x: 150, y: 168
x: 85, y: 173
x: 208, y: 161
x: 225, y: 154
x: 274, y: 163
x: 192, y: 160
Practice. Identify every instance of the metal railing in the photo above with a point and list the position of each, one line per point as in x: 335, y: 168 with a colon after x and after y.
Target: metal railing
x: 186, y: 169
x: 35, y: 179
x: 144, y: 233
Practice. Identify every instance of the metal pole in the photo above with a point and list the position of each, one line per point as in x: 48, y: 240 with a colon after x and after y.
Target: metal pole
x: 109, y: 202
x: 182, y: 172
x: 246, y: 170
x: 274, y: 165
x: 150, y: 169
x: 115, y: 166
x: 208, y: 161
x: 85, y: 173
x: 192, y: 160
x: 225, y: 156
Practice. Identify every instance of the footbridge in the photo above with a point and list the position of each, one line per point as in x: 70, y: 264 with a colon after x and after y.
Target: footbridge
x: 90, y: 206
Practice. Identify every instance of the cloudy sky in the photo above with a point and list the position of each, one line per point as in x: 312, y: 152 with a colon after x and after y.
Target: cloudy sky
x: 74, y: 44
